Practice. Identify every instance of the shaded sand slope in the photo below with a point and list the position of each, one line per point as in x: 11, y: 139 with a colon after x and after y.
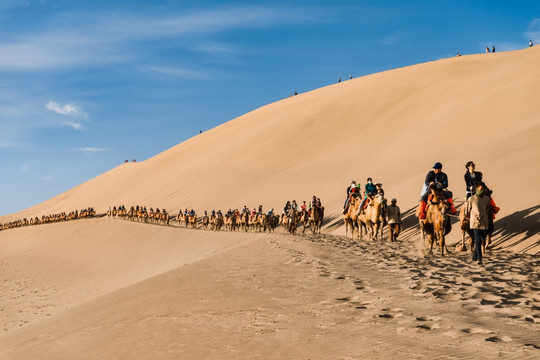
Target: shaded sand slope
x: 50, y: 268
x: 285, y: 297
x: 391, y: 126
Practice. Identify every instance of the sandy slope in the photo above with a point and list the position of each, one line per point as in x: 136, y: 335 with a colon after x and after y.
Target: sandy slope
x: 391, y: 126
x: 107, y: 289
x: 47, y: 269
x: 284, y: 297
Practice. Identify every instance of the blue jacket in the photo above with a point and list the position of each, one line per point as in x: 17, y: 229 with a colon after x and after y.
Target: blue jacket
x: 371, y: 189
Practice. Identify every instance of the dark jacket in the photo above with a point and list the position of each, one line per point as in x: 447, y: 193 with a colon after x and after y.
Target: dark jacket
x: 470, y: 181
x: 440, y: 179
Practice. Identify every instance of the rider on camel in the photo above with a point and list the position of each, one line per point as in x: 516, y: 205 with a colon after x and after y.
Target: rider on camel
x: 440, y: 180
x: 380, y: 191
x: 370, y: 190
x: 352, y: 191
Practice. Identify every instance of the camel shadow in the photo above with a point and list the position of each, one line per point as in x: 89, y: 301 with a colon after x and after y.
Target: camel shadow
x: 523, y: 224
x: 333, y: 222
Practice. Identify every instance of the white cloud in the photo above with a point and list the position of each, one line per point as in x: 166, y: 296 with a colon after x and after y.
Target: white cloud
x: 93, y: 149
x: 177, y: 72
x: 533, y: 31
x: 47, y: 178
x: 97, y: 38
x: 74, y: 125
x: 72, y: 110
x: 25, y: 168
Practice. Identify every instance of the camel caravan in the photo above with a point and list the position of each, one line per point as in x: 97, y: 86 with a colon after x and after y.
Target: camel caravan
x: 51, y: 218
x: 365, y: 212
x: 233, y: 220
x: 367, y: 215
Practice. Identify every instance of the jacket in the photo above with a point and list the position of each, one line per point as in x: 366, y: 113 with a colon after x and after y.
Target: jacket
x: 371, y: 189
x: 479, y: 210
x: 440, y: 179
x: 470, y: 181
x: 393, y: 214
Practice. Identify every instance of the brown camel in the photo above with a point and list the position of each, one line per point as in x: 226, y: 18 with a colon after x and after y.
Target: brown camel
x: 372, y: 216
x: 351, y: 216
x: 436, y: 221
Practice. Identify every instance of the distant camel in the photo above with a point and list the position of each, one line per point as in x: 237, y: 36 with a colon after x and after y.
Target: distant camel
x: 351, y: 216
x: 372, y: 216
x: 316, y: 218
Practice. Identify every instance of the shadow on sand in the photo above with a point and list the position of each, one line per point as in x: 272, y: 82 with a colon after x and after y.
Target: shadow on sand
x: 523, y: 225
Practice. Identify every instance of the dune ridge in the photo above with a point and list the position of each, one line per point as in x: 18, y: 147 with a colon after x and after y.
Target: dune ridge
x: 391, y: 126
x: 111, y: 289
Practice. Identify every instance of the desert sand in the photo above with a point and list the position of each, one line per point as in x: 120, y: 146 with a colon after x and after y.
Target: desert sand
x: 111, y: 289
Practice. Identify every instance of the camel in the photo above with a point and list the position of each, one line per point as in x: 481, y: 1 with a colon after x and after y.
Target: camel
x: 271, y: 221
x: 218, y: 222
x: 316, y: 217
x: 244, y: 221
x: 293, y: 219
x: 285, y: 221
x: 372, y: 217
x: 350, y: 218
x: 304, y: 220
x: 436, y: 223
x: 192, y: 219
x: 205, y: 221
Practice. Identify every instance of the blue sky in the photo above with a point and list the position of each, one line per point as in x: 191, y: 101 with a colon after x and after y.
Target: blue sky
x: 87, y: 84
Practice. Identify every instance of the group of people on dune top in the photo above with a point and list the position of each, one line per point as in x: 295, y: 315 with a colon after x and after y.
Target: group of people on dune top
x: 479, y: 207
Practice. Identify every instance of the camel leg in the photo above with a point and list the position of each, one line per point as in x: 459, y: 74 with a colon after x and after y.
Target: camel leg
x: 462, y: 247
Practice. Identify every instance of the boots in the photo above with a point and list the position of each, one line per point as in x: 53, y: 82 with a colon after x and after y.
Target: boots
x: 422, y: 212
x: 453, y: 210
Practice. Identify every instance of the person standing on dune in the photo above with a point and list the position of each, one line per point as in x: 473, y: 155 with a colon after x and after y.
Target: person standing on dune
x: 394, y: 219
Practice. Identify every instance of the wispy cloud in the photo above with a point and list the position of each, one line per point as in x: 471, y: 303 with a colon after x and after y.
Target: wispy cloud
x: 177, y: 72
x: 533, y: 31
x: 394, y: 38
x: 92, y: 39
x: 88, y: 150
x: 72, y: 110
x: 25, y: 168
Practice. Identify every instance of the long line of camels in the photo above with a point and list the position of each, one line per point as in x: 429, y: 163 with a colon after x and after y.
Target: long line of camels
x: 232, y: 220
x: 370, y: 220
x: 51, y: 218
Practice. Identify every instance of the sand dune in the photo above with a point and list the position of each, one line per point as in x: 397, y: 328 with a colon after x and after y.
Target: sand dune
x: 47, y: 269
x: 391, y: 126
x: 106, y: 289
x: 284, y: 297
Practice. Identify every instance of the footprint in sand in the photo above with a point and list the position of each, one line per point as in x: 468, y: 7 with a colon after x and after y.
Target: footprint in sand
x: 499, y: 339
x: 476, y: 330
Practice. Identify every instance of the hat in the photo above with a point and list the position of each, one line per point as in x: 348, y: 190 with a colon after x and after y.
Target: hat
x: 393, y: 200
x: 378, y: 184
x: 437, y: 166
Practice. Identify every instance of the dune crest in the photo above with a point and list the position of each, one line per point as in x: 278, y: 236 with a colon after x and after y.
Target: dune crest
x: 391, y: 126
